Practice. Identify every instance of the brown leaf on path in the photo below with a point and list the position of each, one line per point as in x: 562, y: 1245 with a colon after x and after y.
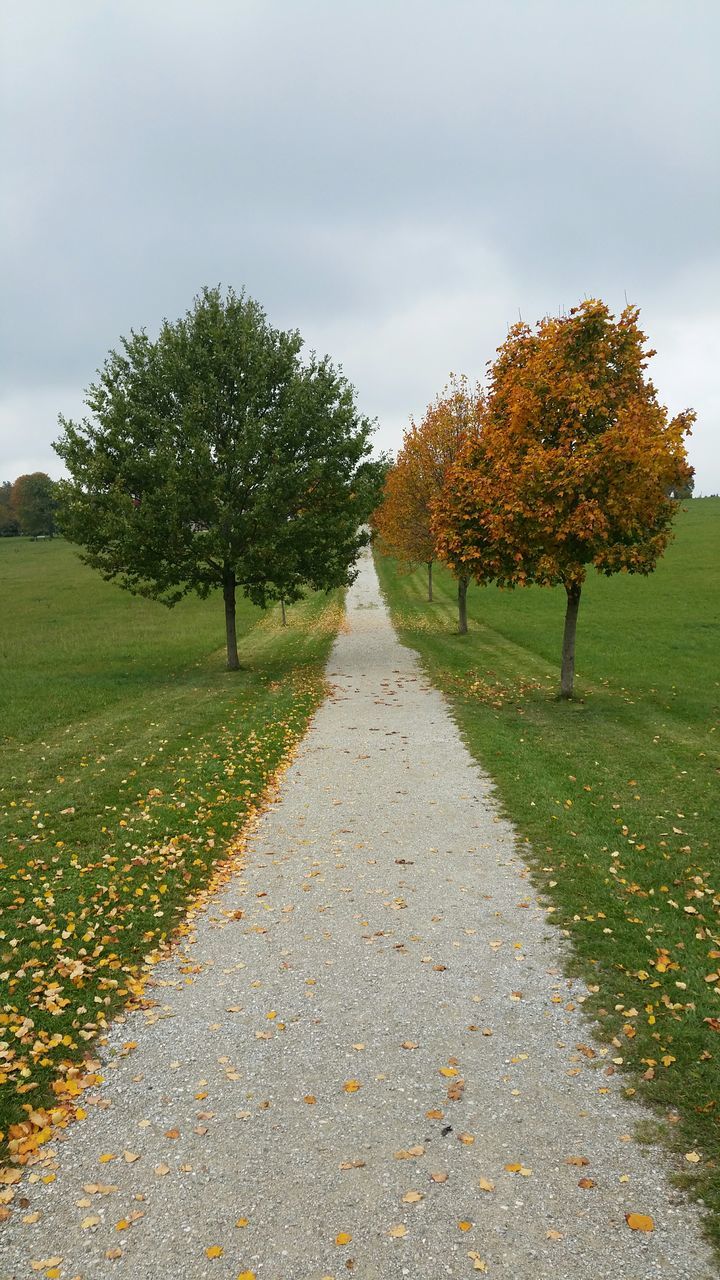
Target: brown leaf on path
x: 351, y: 1086
x: 172, y: 1133
x: 479, y: 1264
x: 113, y: 1254
x: 310, y: 1099
x: 353, y: 1164
x: 439, y: 1177
x: 485, y: 1184
x: 434, y: 1115
x: 467, y: 1139
x: 161, y: 1170
x: 577, y: 1160
x: 409, y: 1044
x: 343, y: 1237
x: 639, y: 1222
x: 130, y: 1157
x: 554, y: 1235
x: 587, y: 1183
x: 411, y: 1153
x: 398, y: 1231
x: 413, y: 1197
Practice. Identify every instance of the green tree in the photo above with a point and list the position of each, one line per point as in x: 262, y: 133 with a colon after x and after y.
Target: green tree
x: 33, y: 502
x: 216, y: 458
x: 9, y: 525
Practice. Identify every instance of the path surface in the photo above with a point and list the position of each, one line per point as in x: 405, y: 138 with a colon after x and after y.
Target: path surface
x: 383, y: 934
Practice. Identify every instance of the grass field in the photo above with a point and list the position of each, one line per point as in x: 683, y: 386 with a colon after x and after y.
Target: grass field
x: 616, y: 795
x: 129, y: 759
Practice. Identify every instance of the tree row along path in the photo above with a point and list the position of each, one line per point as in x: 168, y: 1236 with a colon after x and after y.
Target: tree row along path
x: 364, y: 1058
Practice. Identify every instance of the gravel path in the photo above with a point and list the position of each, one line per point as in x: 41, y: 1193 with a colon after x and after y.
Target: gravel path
x: 367, y: 1027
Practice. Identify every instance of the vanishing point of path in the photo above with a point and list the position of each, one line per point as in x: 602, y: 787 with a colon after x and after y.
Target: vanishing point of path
x: 368, y: 1025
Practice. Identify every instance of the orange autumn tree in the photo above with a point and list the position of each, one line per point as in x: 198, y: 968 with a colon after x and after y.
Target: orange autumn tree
x: 405, y: 518
x: 574, y: 467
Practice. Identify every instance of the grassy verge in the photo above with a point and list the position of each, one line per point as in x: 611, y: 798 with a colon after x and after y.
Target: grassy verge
x: 616, y: 796
x: 129, y: 761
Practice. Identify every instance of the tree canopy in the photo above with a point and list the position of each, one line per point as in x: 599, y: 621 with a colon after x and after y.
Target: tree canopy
x: 32, y: 505
x: 414, y: 485
x: 574, y: 466
x: 216, y: 457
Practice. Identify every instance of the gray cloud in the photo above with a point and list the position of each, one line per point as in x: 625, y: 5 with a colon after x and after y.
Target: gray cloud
x: 399, y: 180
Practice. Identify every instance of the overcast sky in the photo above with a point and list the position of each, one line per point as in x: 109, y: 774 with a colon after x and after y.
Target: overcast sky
x: 399, y: 179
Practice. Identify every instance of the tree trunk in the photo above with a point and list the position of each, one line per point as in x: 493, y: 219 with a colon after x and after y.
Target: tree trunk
x: 233, y: 662
x: 282, y: 611
x: 462, y: 605
x: 429, y: 565
x: 567, y: 676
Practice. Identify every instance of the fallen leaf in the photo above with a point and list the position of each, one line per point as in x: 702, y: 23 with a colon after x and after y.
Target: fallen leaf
x: 439, y: 1177
x: 351, y: 1086
x: 214, y: 1251
x: 554, y: 1235
x: 448, y: 1071
x: 130, y: 1157
x: 465, y: 1226
x: 310, y: 1099
x: 398, y: 1231
x: 412, y: 1197
x: 639, y: 1222
x: 692, y: 1157
x: 343, y: 1237
x: 172, y: 1133
x: 434, y: 1115
x: 485, y: 1184
x: 466, y: 1138
x: 161, y: 1170
x: 409, y: 1044
x: 105, y: 1159
x: 246, y: 1275
x: 577, y: 1160
x: 353, y: 1164
x: 479, y: 1264
x: 586, y: 1183
x: 242, y: 1222
x: 91, y: 1221
x: 410, y: 1154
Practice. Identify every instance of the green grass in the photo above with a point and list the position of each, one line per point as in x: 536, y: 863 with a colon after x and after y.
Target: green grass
x: 129, y: 759
x: 615, y: 794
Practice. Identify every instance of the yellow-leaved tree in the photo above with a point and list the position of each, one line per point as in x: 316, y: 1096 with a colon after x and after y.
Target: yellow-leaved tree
x: 575, y: 466
x: 404, y: 519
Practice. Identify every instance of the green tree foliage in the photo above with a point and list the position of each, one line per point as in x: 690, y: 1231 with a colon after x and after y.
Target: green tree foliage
x: 216, y: 458
x: 32, y: 503
x: 9, y: 523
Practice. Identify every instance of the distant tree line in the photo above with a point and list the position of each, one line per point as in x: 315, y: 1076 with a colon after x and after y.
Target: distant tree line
x: 27, y: 506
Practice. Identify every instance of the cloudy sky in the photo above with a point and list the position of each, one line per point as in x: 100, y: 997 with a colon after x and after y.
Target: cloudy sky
x: 399, y: 179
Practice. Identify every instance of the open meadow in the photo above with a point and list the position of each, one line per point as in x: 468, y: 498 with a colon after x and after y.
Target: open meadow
x: 616, y: 795
x: 129, y: 759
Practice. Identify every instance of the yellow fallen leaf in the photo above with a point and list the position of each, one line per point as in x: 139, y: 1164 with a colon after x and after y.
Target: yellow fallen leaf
x: 310, y: 1099
x: 692, y: 1157
x: 434, y: 1115
x: 412, y: 1197
x: 242, y: 1222
x: 465, y: 1226
x: 91, y: 1221
x: 122, y: 1225
x: 639, y: 1222
x: 409, y: 1044
x: 105, y: 1159
x: 448, y: 1071
x: 466, y: 1138
x: 29, y: 1218
x: 351, y: 1086
x: 214, y: 1251
x: 398, y: 1231
x: 554, y: 1235
x: 113, y: 1253
x: 486, y: 1185
x: 343, y: 1237
x: 587, y: 1183
x: 479, y: 1264
x: 246, y: 1275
